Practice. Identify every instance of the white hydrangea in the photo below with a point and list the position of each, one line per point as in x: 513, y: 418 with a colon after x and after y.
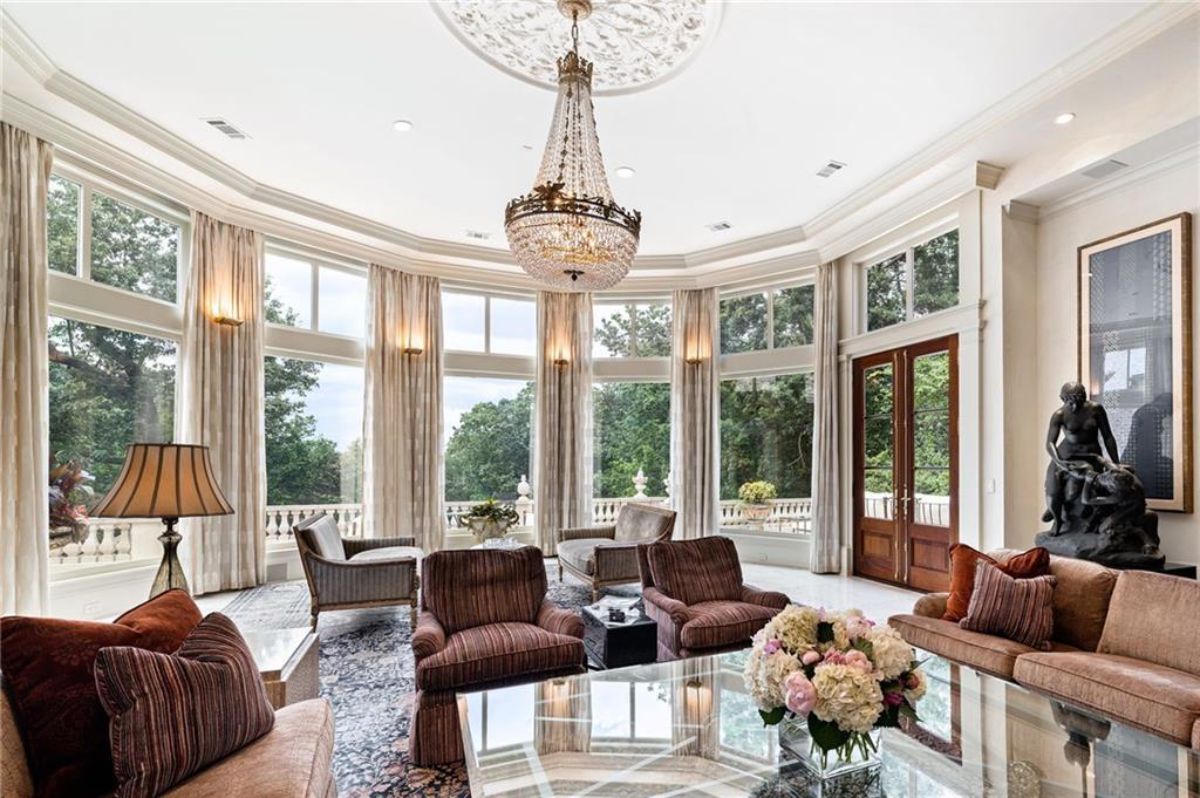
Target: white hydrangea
x: 848, y: 696
x: 890, y: 653
x: 795, y: 627
x: 765, y: 674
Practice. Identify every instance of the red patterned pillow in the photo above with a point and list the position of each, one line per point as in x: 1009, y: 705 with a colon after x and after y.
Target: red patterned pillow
x: 1018, y: 609
x: 1035, y: 562
x: 170, y: 715
x: 47, y: 665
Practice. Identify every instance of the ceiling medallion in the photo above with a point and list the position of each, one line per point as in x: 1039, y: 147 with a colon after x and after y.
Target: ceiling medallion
x: 568, y: 232
x: 634, y: 44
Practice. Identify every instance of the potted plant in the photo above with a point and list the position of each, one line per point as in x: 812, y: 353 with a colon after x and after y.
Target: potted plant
x: 757, y: 499
x: 69, y: 494
x: 489, y: 519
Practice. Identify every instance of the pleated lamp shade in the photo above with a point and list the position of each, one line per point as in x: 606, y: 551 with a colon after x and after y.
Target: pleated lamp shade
x: 164, y: 480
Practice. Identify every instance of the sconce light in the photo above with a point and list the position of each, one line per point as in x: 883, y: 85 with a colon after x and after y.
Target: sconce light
x: 228, y: 321
x: 694, y: 694
x: 695, y: 351
x: 222, y: 314
x: 561, y: 354
x: 413, y: 341
x: 561, y: 362
x: 413, y: 350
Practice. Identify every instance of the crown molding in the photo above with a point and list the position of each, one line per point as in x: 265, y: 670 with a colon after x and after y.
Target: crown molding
x: 1023, y: 211
x: 778, y: 247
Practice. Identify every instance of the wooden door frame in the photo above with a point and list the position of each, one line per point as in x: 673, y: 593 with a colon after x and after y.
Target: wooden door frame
x: 859, y: 367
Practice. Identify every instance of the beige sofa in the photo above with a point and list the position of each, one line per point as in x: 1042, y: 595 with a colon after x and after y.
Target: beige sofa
x: 607, y: 555
x: 1126, y: 644
x: 294, y: 760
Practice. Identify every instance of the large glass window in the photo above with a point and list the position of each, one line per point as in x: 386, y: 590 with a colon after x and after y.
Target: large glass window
x: 513, y: 326
x: 631, y: 330
x: 305, y: 293
x: 766, y: 433
x: 629, y: 710
x: 913, y: 283
x: 490, y: 324
x: 744, y: 323
x: 62, y: 225
x: 134, y: 250
x: 771, y: 320
x: 313, y: 424
x: 792, y: 316
x: 631, y: 431
x: 487, y: 427
x: 108, y: 388
x: 341, y: 302
x: 288, y: 291
x: 464, y: 322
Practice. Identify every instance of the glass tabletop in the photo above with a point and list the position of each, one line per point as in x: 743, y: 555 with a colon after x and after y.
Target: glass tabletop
x: 690, y: 728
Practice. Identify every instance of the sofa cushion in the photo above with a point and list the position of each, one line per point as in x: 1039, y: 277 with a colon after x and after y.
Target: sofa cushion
x: 47, y: 666
x: 580, y: 553
x: 723, y: 623
x: 693, y: 571
x: 1139, y: 693
x: 497, y: 652
x: 294, y: 759
x: 323, y: 537
x: 1153, y: 617
x: 963, y: 560
x: 639, y: 522
x: 170, y: 715
x: 389, y: 553
x: 990, y: 653
x: 1019, y: 609
x: 1081, y: 597
x: 474, y: 587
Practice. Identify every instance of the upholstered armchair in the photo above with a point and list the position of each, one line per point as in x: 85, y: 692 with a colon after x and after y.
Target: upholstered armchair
x: 693, y: 589
x: 484, y: 622
x: 347, y: 573
x: 607, y: 555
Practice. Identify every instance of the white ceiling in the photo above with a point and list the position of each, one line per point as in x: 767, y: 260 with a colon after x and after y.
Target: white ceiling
x: 736, y: 136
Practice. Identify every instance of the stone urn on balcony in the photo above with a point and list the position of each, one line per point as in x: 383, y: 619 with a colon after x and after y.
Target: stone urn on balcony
x: 756, y: 500
x: 488, y: 520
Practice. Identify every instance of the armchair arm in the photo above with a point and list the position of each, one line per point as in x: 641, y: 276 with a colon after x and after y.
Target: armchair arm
x: 560, y: 621
x: 345, y: 582
x: 577, y: 533
x: 679, y: 612
x: 931, y: 605
x: 764, y: 598
x: 616, y: 562
x: 429, y: 637
x: 359, y: 545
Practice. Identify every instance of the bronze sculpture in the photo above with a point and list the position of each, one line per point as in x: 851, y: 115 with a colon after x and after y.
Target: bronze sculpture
x: 1095, y: 505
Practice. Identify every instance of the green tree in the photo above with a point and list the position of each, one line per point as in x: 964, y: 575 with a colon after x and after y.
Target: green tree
x: 766, y: 433
x: 488, y: 451
x: 887, y: 294
x: 744, y: 323
x: 935, y: 274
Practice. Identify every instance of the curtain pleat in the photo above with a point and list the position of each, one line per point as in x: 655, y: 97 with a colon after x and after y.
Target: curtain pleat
x: 221, y: 401
x: 563, y: 420
x: 24, y: 375
x: 402, y: 458
x: 825, y: 555
x: 695, y: 411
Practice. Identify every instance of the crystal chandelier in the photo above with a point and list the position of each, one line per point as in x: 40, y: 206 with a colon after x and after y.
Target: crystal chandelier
x: 568, y: 232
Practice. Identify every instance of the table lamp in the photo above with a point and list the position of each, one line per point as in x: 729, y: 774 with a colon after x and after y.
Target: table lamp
x: 168, y: 481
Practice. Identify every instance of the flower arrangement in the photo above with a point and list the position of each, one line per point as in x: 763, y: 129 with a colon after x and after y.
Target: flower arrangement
x: 69, y: 494
x: 838, y: 671
x: 489, y: 519
x: 757, y: 492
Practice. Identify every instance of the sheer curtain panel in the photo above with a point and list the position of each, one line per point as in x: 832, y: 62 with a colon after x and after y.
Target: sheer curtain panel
x: 695, y: 412
x: 825, y: 554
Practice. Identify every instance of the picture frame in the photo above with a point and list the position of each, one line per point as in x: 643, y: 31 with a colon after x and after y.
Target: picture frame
x: 1135, y: 350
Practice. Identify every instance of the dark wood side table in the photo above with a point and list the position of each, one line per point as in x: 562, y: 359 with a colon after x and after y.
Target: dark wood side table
x: 615, y: 644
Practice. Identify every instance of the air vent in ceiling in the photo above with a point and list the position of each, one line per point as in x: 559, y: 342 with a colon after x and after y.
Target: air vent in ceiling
x: 831, y: 168
x: 226, y: 128
x: 1104, y: 169
x: 478, y: 235
x: 717, y: 227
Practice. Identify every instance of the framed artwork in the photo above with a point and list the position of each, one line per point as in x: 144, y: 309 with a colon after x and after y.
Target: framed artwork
x: 1135, y: 350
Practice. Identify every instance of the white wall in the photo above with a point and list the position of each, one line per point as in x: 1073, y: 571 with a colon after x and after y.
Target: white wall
x: 1059, y: 234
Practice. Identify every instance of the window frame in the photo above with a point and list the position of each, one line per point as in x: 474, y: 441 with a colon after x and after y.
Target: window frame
x: 769, y: 291
x: 906, y: 246
x: 316, y: 261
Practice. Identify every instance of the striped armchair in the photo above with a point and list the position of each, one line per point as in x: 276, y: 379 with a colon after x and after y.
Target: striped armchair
x: 601, y: 556
x: 484, y: 622
x: 693, y: 589
x: 344, y: 573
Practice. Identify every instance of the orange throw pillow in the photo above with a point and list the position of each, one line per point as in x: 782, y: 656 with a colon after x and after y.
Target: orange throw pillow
x: 1026, y: 565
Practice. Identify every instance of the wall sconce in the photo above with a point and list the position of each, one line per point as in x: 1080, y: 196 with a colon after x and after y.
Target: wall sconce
x: 561, y: 352
x: 695, y: 351
x: 223, y: 316
x: 694, y: 695
x: 413, y: 343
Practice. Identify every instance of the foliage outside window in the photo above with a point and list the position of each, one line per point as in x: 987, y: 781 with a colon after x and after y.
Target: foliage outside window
x: 62, y: 225
x: 488, y: 426
x: 631, y: 430
x: 632, y: 330
x: 338, y: 305
x: 766, y: 433
x: 744, y: 323
x: 792, y: 316
x: 108, y: 388
x: 780, y: 318
x: 914, y: 283
x: 489, y: 324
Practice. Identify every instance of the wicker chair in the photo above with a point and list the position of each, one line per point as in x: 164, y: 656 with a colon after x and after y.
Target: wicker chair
x: 607, y: 555
x: 345, y: 573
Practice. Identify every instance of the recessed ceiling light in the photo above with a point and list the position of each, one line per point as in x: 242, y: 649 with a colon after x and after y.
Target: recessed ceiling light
x: 402, y: 126
x: 717, y: 227
x: 626, y: 172
x: 1064, y: 119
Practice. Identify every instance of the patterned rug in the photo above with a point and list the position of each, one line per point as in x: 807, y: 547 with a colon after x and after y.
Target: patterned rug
x: 367, y: 674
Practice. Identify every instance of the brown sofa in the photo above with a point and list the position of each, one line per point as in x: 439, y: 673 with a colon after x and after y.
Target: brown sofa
x: 294, y: 760
x: 1126, y: 644
x: 602, y: 556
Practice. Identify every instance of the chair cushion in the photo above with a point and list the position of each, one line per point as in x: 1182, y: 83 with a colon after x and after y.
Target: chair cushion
x: 580, y: 554
x: 171, y: 715
x: 474, y: 587
x: 1081, y: 597
x: 496, y: 652
x: 1153, y: 617
x: 295, y: 759
x: 388, y: 553
x: 1153, y: 697
x: 963, y: 560
x: 47, y: 665
x: 996, y: 655
x: 723, y: 623
x: 1019, y: 609
x: 693, y: 571
x: 323, y: 537
x: 639, y: 522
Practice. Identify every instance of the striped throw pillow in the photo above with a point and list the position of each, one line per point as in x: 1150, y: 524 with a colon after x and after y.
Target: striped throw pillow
x: 1018, y: 609
x: 170, y: 715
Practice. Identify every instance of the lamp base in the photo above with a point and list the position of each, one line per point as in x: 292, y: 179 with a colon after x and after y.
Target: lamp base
x: 170, y: 571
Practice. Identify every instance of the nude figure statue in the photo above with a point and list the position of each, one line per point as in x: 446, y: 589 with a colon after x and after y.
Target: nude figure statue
x: 1083, y: 426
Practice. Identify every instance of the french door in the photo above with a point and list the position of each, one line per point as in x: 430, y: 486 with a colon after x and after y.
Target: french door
x: 906, y: 463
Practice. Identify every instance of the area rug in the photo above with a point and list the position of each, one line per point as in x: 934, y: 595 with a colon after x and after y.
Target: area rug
x: 367, y: 674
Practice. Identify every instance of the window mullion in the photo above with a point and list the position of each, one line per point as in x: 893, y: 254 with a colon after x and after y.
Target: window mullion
x: 315, y: 287
x: 84, y: 224
x: 910, y: 274
x: 771, y: 319
x: 487, y: 324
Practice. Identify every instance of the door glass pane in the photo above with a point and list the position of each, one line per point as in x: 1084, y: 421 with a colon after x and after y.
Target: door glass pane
x: 462, y: 322
x: 878, y: 442
x: 935, y: 274
x: 341, y: 302
x: 931, y: 381
x: 878, y: 500
x: 133, y: 250
x: 931, y: 439
x: 62, y: 225
x: 887, y: 292
x: 288, y: 291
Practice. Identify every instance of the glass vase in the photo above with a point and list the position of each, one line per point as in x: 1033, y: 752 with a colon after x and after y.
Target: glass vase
x: 860, y: 756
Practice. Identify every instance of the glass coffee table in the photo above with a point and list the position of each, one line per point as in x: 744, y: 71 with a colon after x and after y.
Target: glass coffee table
x: 688, y: 728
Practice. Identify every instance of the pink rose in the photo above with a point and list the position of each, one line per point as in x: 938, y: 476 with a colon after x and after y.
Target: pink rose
x: 801, y: 696
x: 772, y: 646
x: 835, y: 657
x: 893, y: 699
x: 811, y: 657
x: 857, y: 659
